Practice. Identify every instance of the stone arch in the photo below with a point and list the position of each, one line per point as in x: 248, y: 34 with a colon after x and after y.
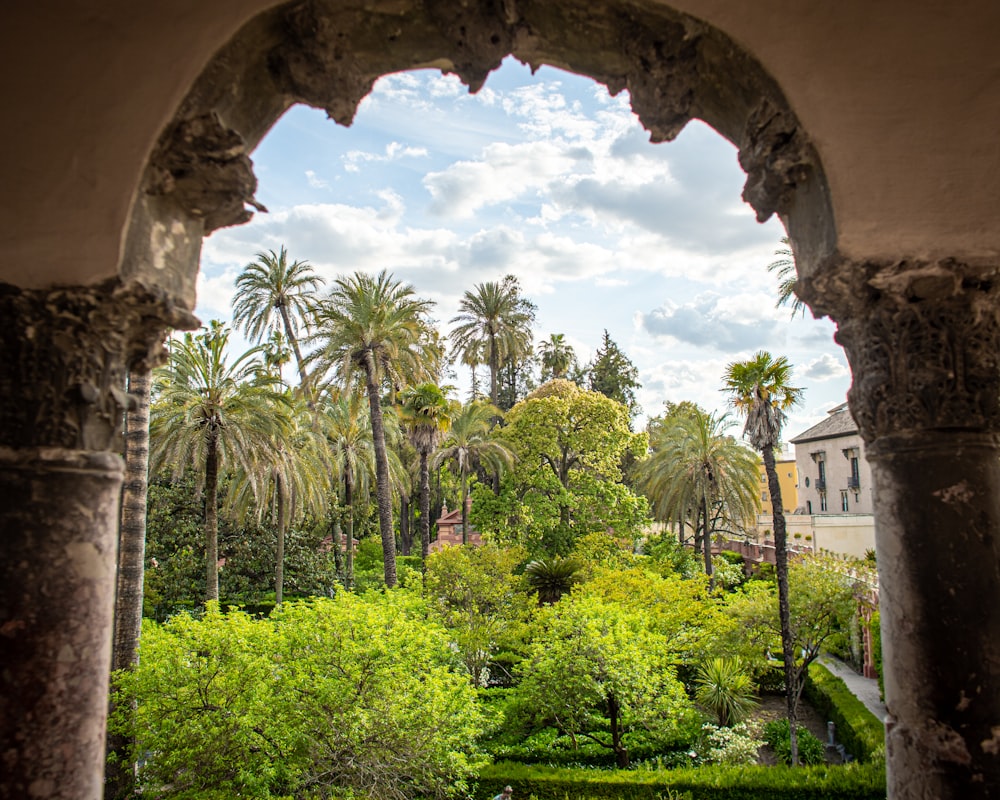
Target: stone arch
x: 328, y: 55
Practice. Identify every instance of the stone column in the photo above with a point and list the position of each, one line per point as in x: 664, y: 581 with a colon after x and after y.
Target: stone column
x: 923, y: 340
x: 63, y: 359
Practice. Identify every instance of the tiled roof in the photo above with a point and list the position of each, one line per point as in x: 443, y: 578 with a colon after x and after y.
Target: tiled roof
x: 838, y: 423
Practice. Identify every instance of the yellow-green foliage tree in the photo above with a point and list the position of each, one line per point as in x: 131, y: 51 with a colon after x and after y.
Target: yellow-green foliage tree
x: 358, y: 694
x: 475, y: 594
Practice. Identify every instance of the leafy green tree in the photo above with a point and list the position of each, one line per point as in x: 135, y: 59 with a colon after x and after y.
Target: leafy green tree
x: 697, y: 472
x: 477, y: 596
x: 596, y: 671
x: 784, y: 268
x: 569, y: 445
x: 271, y: 287
x: 426, y: 414
x: 822, y: 606
x: 494, y: 321
x: 213, y: 416
x: 557, y: 357
x: 357, y: 694
x: 761, y: 390
x: 374, y: 328
x: 613, y: 375
x: 468, y: 446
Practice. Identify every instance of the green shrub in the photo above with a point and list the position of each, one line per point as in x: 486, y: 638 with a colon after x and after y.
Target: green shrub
x: 846, y: 782
x: 861, y: 733
x: 725, y: 689
x: 810, y: 748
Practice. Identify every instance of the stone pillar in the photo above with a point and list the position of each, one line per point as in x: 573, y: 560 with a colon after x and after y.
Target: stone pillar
x: 63, y: 359
x: 923, y: 341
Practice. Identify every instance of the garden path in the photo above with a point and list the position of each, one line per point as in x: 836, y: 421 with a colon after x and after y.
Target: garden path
x: 865, y: 689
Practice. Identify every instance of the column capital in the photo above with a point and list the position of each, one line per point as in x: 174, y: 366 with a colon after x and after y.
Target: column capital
x: 923, y: 341
x: 64, y: 354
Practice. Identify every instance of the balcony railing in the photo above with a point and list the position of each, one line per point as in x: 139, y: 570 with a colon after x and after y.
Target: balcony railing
x: 854, y: 483
x: 821, y: 484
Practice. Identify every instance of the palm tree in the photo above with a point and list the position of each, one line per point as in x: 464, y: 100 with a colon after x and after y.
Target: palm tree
x: 761, y: 390
x: 291, y: 482
x: 552, y: 577
x: 131, y: 557
x: 212, y: 416
x: 468, y: 445
x: 784, y: 267
x: 269, y: 286
x: 426, y: 415
x: 496, y: 321
x: 695, y: 470
x: 373, y: 327
x: 557, y: 357
x: 348, y: 431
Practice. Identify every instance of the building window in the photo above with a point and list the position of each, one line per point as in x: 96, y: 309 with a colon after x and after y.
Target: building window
x: 854, y: 482
x: 843, y: 501
x: 822, y: 501
x: 821, y: 480
x: 809, y: 507
x: 763, y: 496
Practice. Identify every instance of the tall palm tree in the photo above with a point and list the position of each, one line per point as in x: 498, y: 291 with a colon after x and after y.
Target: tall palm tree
x: 494, y: 319
x: 119, y: 775
x: 426, y: 415
x: 557, y: 356
x: 784, y: 268
x: 761, y: 390
x: 468, y: 445
x: 347, y: 427
x: 695, y: 468
x: 374, y: 328
x: 210, y: 416
x: 272, y: 287
x: 290, y: 482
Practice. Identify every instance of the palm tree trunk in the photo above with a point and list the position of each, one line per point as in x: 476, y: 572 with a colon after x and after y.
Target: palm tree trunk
x: 707, y: 543
x: 212, y: 518
x: 303, y: 378
x: 119, y: 776
x: 279, y: 566
x: 784, y: 610
x: 382, y: 490
x: 405, y: 530
x: 349, y: 527
x: 494, y: 369
x: 465, y: 506
x: 425, y: 506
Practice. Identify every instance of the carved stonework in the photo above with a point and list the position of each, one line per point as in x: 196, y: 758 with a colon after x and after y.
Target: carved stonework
x: 64, y: 354
x: 923, y: 340
x: 204, y: 166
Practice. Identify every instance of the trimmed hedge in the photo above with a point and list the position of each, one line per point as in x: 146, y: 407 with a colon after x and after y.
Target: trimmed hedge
x: 846, y: 782
x: 860, y: 731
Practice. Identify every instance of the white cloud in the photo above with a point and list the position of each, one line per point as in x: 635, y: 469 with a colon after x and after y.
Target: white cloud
x: 394, y: 151
x: 315, y: 181
x: 734, y: 323
x: 825, y: 368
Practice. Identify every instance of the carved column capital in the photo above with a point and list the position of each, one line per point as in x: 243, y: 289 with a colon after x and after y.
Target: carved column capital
x: 923, y: 341
x: 64, y: 354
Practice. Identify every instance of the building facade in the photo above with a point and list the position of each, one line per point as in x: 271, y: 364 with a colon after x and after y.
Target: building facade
x: 834, y: 475
x: 788, y: 480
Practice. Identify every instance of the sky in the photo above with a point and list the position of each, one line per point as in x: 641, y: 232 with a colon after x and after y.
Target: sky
x: 549, y: 178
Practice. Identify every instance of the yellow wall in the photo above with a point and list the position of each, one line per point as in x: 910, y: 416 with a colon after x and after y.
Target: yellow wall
x: 788, y: 478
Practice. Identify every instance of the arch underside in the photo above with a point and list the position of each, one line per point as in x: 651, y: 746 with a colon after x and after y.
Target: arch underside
x: 329, y: 54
